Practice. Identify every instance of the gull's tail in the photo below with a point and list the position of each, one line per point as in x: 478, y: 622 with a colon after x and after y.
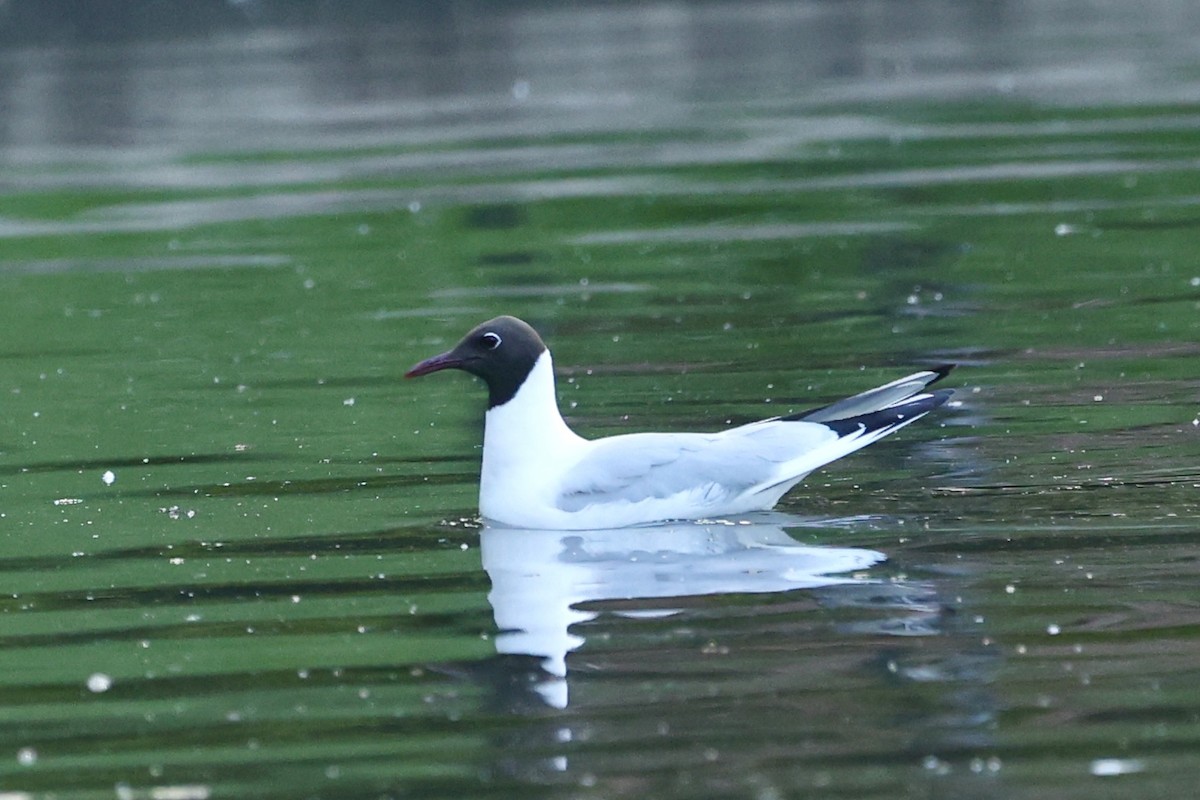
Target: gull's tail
x: 857, y: 422
x: 877, y: 412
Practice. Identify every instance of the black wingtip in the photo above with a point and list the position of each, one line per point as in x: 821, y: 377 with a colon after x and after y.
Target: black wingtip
x: 892, y: 416
x: 942, y: 371
x: 940, y: 396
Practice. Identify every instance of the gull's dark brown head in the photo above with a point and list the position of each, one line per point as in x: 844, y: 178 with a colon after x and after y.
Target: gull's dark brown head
x: 501, y: 351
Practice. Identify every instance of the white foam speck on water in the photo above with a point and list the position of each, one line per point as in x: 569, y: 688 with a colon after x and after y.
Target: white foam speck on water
x: 182, y: 792
x: 98, y: 682
x: 109, y: 477
x: 1109, y: 767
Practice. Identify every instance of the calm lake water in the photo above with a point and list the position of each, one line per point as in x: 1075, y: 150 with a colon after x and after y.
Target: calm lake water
x: 240, y: 555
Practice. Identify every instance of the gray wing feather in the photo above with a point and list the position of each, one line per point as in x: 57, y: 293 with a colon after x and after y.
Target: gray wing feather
x: 771, y: 455
x: 874, y: 399
x: 716, y: 466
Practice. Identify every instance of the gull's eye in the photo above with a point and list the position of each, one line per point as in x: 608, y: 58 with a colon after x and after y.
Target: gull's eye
x: 490, y: 341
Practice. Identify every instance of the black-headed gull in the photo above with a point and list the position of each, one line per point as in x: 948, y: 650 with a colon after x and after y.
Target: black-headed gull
x: 538, y: 473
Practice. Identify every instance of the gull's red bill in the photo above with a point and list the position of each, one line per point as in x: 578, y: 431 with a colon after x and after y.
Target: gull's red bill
x: 435, y: 364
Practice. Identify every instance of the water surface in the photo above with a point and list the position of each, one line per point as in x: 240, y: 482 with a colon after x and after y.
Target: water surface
x: 240, y: 554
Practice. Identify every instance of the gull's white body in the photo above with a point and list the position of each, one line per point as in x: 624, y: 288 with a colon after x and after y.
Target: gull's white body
x: 537, y: 473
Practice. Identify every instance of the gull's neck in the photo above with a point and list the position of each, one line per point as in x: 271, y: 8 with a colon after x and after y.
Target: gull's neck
x: 526, y: 448
x: 529, y: 424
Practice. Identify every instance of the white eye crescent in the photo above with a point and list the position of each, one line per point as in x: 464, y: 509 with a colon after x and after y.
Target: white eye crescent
x: 490, y: 341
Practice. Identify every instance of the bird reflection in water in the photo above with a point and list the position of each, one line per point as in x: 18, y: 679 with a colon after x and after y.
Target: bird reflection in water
x: 541, y: 578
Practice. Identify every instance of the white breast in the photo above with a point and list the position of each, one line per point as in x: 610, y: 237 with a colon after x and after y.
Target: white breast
x: 526, y: 449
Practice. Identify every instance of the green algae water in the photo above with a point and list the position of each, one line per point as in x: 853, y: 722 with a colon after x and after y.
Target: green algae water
x: 240, y: 555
